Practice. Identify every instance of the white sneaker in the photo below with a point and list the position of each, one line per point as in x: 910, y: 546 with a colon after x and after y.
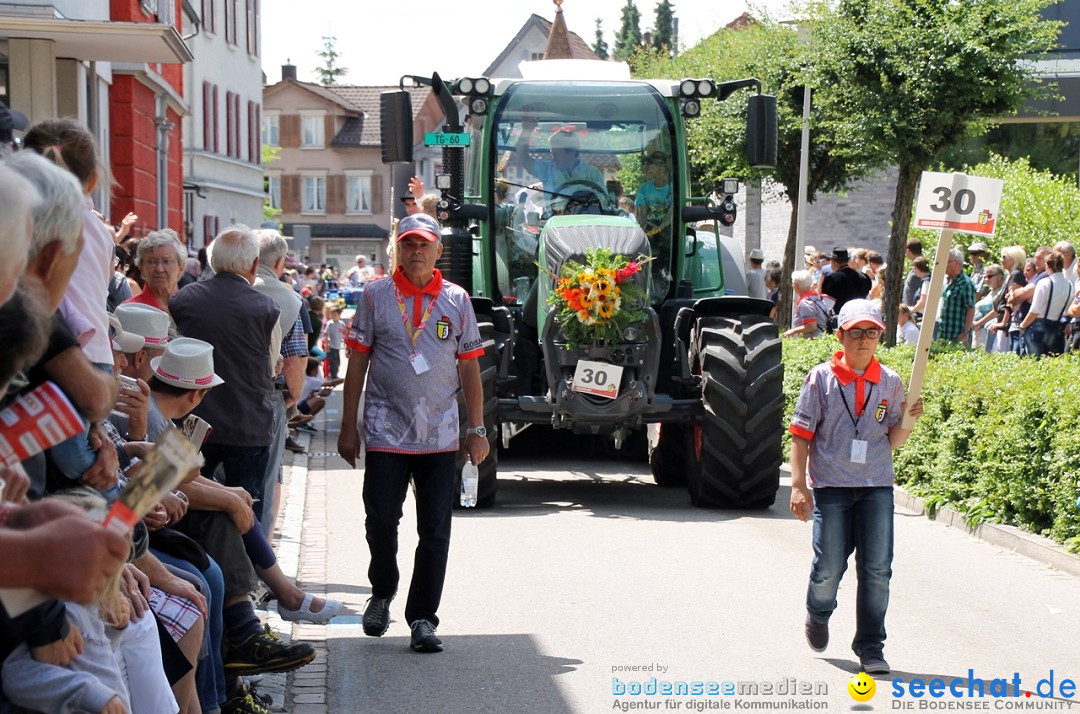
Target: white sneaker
x: 304, y: 613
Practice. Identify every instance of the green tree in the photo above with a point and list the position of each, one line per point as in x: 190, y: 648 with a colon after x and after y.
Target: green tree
x: 600, y: 47
x: 920, y: 75
x: 628, y: 41
x: 716, y: 141
x: 663, y: 34
x: 270, y: 154
x: 330, y: 72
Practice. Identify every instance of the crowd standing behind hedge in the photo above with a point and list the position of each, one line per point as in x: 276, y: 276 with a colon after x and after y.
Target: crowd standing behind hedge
x: 1001, y: 437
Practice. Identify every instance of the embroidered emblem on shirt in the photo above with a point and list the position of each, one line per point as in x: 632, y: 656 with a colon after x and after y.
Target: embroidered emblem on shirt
x: 879, y: 414
x: 443, y: 328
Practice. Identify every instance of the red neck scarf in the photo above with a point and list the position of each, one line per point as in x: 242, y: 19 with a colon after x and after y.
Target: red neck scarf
x: 410, y: 289
x: 845, y: 375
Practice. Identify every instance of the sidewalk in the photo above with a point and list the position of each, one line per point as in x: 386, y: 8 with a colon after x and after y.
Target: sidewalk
x: 300, y: 544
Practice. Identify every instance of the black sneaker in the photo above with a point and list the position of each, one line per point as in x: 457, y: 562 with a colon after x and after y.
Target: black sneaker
x: 377, y: 616
x: 294, y: 446
x: 873, y: 662
x: 817, y: 634
x: 243, y: 702
x: 423, y: 637
x: 265, y: 652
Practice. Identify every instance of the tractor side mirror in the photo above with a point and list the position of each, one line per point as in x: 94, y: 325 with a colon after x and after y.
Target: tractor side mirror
x: 761, y: 131
x: 395, y: 126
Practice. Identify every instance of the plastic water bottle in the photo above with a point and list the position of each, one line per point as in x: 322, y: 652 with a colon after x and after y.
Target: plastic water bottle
x: 470, y: 481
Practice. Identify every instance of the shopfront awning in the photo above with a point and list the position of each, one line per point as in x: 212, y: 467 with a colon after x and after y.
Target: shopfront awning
x: 102, y: 41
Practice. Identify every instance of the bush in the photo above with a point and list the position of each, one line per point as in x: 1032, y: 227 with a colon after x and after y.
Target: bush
x: 999, y: 440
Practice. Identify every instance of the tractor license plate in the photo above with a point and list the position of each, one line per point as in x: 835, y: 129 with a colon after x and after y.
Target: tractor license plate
x: 598, y: 378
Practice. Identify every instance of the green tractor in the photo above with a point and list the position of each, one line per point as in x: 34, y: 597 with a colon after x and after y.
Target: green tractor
x: 534, y: 178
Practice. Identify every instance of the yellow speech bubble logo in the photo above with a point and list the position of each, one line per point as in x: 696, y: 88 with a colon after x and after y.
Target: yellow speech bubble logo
x: 862, y: 687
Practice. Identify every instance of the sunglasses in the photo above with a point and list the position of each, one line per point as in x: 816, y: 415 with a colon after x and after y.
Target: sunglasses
x: 857, y: 333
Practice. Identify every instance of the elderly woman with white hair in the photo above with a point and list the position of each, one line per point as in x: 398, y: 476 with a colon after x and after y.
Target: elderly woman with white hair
x: 811, y: 315
x: 160, y: 258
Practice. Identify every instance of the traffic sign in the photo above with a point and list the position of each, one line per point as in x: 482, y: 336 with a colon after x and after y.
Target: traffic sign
x: 959, y: 202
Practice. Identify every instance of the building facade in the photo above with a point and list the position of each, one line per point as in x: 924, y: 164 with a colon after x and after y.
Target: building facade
x: 222, y: 155
x: 114, y: 66
x: 329, y: 181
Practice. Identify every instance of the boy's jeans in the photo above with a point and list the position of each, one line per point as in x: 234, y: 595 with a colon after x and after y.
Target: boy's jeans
x: 859, y: 519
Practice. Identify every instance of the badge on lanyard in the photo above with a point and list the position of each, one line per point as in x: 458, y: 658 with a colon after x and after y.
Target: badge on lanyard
x: 419, y: 363
x: 858, y: 451
x: 442, y: 328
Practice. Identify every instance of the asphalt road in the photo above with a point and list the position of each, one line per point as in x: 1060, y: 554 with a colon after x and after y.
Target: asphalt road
x: 585, y: 571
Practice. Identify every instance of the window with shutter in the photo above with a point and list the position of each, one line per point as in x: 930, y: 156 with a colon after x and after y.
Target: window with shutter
x: 236, y: 125
x: 230, y: 21
x: 208, y: 117
x: 253, y: 27
x: 358, y: 197
x: 208, y: 17
x: 314, y: 194
x: 215, y: 92
x: 229, y: 119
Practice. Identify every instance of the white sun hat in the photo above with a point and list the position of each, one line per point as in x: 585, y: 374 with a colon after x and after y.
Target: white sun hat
x: 187, y: 363
x: 149, y: 322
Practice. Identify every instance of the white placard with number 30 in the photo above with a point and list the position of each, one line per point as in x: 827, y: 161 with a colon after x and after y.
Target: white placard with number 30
x: 599, y: 378
x: 959, y: 202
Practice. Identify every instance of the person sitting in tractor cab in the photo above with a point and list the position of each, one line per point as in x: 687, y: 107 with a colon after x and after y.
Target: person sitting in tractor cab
x: 652, y: 203
x: 565, y: 166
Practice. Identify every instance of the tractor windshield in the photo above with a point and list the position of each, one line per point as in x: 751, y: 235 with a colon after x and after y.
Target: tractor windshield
x: 562, y: 148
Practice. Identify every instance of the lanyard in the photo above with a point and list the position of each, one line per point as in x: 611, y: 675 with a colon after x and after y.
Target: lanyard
x: 414, y: 334
x: 855, y: 419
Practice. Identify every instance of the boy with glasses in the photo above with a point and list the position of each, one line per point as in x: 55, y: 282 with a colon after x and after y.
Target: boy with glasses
x: 845, y: 425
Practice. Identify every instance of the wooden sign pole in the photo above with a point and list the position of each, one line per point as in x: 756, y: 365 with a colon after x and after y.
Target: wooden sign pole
x: 926, y: 330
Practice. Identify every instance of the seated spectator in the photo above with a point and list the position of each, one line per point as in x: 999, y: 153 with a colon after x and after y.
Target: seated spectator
x: 160, y: 259
x: 89, y: 681
x: 316, y: 389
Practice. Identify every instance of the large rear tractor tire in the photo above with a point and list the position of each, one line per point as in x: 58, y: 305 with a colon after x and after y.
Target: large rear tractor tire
x: 672, y: 457
x: 739, y: 442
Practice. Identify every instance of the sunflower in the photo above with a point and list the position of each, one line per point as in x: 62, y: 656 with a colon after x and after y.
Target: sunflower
x: 605, y: 310
x: 603, y: 286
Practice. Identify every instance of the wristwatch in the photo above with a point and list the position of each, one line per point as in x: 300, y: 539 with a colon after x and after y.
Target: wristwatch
x: 478, y: 430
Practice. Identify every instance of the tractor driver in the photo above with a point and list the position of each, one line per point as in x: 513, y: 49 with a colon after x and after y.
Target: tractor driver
x: 565, y: 164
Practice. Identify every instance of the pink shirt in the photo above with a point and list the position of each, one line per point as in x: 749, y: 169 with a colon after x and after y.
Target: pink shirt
x: 89, y: 285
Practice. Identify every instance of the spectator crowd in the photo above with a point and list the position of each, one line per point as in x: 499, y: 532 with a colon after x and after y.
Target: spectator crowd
x: 237, y: 345
x: 1029, y: 306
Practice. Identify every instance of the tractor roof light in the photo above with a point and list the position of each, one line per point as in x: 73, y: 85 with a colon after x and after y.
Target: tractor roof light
x: 706, y: 88
x: 687, y: 87
x: 691, y: 108
x: 472, y: 86
x: 478, y: 105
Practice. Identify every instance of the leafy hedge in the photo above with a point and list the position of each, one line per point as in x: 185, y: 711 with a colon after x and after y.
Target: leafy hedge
x: 999, y: 440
